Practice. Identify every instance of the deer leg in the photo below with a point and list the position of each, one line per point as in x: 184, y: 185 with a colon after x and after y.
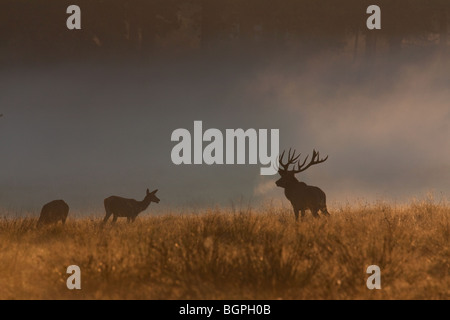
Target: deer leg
x: 132, y: 219
x: 296, y: 213
x: 303, y: 213
x: 108, y: 214
x: 128, y: 219
x: 314, y: 213
x: 114, y: 219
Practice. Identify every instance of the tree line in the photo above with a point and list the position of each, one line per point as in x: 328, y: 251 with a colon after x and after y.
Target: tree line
x: 37, y: 29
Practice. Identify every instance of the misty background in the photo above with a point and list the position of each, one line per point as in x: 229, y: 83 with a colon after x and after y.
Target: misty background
x: 86, y: 121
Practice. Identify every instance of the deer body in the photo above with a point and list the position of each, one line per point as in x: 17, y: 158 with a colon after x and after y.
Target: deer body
x: 129, y: 208
x: 304, y: 197
x: 301, y: 195
x: 53, y: 212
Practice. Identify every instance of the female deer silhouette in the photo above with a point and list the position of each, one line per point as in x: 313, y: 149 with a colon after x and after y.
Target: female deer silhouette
x: 53, y: 212
x: 129, y: 208
x: 301, y: 196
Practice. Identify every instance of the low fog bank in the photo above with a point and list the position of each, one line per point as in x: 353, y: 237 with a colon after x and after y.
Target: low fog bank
x: 84, y: 132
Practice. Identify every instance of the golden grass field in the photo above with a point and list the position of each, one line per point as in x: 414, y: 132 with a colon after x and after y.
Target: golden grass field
x: 231, y: 255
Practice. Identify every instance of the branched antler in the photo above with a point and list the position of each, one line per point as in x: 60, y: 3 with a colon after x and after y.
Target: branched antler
x: 292, y: 159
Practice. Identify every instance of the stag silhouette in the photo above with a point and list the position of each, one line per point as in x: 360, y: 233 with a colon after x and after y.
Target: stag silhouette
x: 301, y: 196
x: 129, y: 208
x: 53, y: 212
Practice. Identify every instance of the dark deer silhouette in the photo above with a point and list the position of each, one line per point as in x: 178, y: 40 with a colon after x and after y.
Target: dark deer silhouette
x: 53, y: 212
x: 129, y: 208
x: 301, y: 196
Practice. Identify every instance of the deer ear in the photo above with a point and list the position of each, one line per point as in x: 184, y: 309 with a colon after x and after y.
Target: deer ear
x: 154, y: 191
x: 148, y: 191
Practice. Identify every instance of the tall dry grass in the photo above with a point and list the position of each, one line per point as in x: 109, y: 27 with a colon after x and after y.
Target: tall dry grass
x: 230, y: 255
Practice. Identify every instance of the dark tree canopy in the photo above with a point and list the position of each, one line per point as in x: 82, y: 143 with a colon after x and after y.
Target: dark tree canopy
x: 36, y: 30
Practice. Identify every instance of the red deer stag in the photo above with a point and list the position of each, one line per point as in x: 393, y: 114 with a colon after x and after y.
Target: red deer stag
x: 129, y: 208
x: 52, y: 212
x: 301, y: 196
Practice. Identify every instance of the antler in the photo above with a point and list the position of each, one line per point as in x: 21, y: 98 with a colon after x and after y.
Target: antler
x: 291, y: 159
x: 315, y: 159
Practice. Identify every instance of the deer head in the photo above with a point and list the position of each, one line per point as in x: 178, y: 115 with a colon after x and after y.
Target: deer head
x: 151, y: 197
x: 288, y: 176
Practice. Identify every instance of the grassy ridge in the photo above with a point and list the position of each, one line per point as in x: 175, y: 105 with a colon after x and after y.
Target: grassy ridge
x: 225, y: 255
